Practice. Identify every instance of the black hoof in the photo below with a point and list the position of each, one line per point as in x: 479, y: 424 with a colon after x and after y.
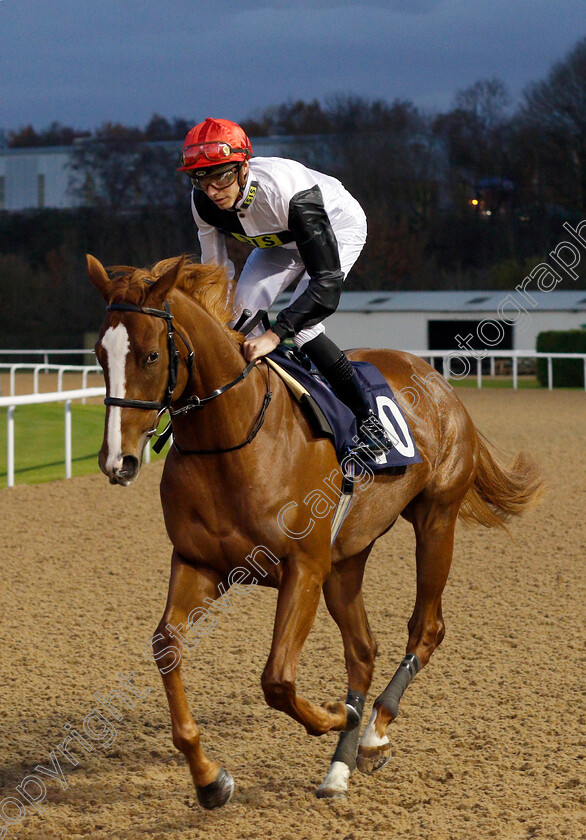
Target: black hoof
x: 217, y: 793
x: 353, y: 718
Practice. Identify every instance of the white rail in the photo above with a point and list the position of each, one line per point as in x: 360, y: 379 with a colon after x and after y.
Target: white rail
x: 60, y: 370
x: 34, y: 399
x: 479, y: 355
x: 11, y: 402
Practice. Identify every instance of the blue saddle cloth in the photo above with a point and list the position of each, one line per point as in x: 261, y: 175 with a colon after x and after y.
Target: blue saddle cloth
x: 343, y: 422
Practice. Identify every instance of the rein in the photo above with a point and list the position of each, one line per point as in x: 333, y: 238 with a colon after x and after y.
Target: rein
x: 253, y: 432
x: 192, y: 402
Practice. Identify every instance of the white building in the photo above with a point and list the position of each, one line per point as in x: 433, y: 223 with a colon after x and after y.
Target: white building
x: 451, y: 320
x: 35, y: 178
x: 42, y: 177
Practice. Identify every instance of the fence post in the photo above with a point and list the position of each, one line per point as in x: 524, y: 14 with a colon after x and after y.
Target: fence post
x: 550, y: 373
x: 447, y: 368
x: 10, y: 446
x: 515, y: 372
x: 67, y: 438
x: 479, y: 372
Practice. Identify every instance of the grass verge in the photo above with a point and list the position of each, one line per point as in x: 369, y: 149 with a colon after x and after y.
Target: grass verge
x: 39, y: 442
x: 488, y: 382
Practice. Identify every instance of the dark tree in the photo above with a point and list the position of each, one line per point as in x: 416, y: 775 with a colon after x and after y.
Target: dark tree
x: 55, y: 135
x: 552, y: 124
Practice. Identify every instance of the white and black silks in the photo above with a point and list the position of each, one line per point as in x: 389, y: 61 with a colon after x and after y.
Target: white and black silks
x: 284, y: 204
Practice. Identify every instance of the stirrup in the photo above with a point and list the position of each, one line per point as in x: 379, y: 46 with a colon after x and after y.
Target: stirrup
x: 372, y: 437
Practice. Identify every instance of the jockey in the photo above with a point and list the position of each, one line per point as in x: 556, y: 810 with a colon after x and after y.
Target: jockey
x: 305, y: 226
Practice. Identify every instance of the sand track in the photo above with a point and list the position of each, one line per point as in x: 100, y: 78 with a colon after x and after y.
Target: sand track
x: 491, y: 741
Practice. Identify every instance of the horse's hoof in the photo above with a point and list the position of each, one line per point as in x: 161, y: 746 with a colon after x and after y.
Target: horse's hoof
x: 335, y: 784
x: 330, y: 793
x: 217, y: 793
x: 371, y: 759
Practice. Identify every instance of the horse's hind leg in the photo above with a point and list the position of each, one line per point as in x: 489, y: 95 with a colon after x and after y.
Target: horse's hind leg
x: 343, y: 595
x: 188, y: 589
x: 434, y: 530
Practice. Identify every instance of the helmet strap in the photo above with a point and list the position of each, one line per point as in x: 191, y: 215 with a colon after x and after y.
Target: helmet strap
x: 241, y: 183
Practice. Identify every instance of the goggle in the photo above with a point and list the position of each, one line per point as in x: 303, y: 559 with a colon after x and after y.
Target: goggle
x: 215, y: 152
x: 219, y: 181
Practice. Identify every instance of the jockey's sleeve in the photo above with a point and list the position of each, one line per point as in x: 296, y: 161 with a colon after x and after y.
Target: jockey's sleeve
x: 212, y: 242
x: 316, y: 242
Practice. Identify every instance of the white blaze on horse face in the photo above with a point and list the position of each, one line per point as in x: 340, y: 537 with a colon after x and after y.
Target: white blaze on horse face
x: 370, y: 737
x: 116, y: 344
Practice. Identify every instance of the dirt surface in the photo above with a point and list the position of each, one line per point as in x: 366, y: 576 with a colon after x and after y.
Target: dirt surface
x: 491, y: 739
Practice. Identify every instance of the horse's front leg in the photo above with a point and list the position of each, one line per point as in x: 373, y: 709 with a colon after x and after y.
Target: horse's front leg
x: 186, y: 604
x: 297, y: 604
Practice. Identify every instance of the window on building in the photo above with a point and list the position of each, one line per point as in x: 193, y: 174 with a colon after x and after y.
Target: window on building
x: 488, y: 334
x: 40, y: 190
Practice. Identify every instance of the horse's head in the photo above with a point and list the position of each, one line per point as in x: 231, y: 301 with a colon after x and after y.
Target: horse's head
x: 139, y: 362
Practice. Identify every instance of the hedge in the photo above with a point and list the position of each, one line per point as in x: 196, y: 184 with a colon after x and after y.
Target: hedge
x: 567, y: 373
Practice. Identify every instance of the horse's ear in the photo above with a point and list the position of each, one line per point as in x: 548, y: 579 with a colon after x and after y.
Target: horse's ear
x: 159, y: 291
x: 98, y: 275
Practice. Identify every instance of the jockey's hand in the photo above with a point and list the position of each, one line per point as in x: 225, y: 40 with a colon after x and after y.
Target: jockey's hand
x: 255, y: 348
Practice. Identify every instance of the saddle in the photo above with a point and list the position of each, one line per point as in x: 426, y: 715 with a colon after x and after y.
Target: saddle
x: 331, y: 418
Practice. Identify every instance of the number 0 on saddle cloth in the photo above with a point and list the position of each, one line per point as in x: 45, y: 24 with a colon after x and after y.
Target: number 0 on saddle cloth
x: 343, y: 422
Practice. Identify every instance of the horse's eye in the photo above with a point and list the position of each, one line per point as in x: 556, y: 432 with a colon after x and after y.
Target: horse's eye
x: 152, y: 358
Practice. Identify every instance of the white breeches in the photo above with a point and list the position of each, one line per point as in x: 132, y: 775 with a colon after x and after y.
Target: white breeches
x: 268, y: 272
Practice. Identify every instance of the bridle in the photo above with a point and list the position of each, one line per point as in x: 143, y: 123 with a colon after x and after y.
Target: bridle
x: 193, y: 401
x: 164, y: 404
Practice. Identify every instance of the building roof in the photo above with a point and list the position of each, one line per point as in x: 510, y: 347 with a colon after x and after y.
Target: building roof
x: 472, y: 302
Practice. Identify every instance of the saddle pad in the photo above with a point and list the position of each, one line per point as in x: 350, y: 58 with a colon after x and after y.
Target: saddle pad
x: 342, y: 421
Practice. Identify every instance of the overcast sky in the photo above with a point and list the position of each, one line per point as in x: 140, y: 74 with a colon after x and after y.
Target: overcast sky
x: 82, y: 62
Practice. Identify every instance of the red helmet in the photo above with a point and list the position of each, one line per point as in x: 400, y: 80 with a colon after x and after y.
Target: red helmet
x: 214, y: 142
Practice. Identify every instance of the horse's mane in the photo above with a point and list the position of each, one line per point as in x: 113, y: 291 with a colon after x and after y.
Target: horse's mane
x: 207, y: 284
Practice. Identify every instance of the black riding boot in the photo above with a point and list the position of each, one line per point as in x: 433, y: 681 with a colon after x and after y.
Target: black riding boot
x: 335, y: 366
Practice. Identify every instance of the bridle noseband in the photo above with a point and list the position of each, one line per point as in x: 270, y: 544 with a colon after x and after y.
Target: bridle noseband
x: 192, y: 402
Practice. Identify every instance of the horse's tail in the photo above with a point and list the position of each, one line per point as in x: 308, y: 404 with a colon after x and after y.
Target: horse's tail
x: 501, y: 491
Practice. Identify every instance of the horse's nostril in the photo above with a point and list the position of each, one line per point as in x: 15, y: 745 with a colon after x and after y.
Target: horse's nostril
x: 129, y: 466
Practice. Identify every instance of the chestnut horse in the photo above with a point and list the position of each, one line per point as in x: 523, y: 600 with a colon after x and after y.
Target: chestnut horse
x: 242, y: 453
